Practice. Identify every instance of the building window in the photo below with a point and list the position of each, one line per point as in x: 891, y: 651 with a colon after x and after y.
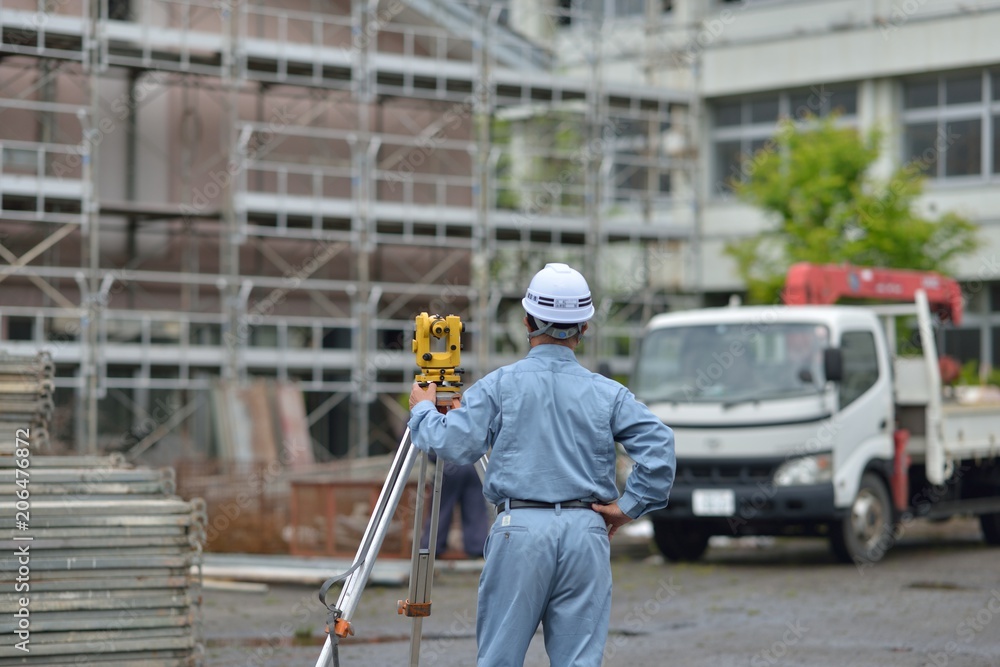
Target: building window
x: 996, y: 142
x: 963, y: 344
x: 639, y: 172
x: 564, y: 12
x: 119, y: 10
x: 568, y: 10
x: 743, y: 126
x: 20, y: 328
x: 948, y: 121
x: 995, y: 334
x: 823, y: 102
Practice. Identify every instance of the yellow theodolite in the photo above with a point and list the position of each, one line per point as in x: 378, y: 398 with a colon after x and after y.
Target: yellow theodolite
x: 438, y: 367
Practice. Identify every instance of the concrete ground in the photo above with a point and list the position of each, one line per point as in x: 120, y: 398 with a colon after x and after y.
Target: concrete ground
x: 933, y: 601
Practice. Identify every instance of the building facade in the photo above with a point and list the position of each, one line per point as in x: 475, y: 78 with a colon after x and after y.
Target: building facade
x: 202, y: 190
x: 924, y: 72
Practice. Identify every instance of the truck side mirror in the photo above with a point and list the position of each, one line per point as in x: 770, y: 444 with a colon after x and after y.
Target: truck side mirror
x: 833, y: 364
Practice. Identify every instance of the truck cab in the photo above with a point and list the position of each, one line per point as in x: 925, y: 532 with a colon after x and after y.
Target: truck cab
x: 787, y: 421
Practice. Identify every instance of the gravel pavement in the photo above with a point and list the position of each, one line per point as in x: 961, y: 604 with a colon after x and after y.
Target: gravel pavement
x: 933, y: 601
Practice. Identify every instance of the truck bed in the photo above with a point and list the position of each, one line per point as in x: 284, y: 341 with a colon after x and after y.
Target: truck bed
x: 970, y: 415
x: 968, y: 430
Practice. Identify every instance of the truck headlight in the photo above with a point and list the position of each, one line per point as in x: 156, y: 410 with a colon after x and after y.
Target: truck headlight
x: 805, y: 470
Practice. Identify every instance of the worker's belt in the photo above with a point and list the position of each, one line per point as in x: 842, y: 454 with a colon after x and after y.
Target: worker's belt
x: 534, y: 504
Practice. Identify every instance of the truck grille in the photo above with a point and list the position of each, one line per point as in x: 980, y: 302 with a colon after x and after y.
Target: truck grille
x: 726, y: 473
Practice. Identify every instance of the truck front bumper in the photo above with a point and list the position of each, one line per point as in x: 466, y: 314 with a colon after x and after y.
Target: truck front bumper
x: 760, y: 509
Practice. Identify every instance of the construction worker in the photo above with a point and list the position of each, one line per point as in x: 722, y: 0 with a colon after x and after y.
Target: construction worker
x: 552, y: 426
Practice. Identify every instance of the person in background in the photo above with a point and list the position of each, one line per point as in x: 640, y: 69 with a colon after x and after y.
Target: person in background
x: 460, y: 487
x: 805, y: 358
x: 552, y: 426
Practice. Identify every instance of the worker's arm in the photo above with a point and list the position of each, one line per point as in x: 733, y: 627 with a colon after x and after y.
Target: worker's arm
x: 650, y: 443
x: 462, y: 435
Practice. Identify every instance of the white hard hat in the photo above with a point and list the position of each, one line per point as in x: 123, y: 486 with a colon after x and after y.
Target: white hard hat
x: 559, y: 294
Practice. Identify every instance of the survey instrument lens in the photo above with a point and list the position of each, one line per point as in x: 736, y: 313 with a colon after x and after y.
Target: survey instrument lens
x: 438, y: 328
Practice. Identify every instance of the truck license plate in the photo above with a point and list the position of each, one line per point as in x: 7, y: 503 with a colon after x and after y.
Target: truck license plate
x: 713, y: 502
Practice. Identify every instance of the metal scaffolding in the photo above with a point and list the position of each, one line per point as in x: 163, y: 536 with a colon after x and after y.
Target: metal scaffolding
x: 275, y: 189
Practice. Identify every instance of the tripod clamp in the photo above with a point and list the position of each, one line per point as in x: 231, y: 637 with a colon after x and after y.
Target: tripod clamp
x: 336, y: 624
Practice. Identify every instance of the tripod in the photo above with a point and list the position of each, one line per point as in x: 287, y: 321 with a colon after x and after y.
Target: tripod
x: 418, y: 603
x: 442, y: 368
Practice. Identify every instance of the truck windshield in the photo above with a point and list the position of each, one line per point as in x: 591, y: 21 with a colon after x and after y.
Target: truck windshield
x: 734, y: 362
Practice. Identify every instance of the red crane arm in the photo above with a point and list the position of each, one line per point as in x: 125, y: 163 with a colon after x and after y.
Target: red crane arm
x: 827, y: 283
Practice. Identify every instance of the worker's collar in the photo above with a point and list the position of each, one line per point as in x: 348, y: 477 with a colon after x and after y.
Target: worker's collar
x: 552, y: 350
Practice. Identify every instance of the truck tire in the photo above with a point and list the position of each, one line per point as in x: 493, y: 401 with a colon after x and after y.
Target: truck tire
x: 991, y: 528
x: 680, y: 542
x: 866, y: 533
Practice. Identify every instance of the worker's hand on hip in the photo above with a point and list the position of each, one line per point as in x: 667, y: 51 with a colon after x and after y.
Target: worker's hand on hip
x: 418, y: 393
x: 613, y: 517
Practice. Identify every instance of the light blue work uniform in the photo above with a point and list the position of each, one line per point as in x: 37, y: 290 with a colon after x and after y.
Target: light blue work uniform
x: 552, y: 425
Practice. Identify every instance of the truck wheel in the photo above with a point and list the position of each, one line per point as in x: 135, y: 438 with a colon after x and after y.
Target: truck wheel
x: 991, y: 528
x: 866, y: 533
x: 679, y: 541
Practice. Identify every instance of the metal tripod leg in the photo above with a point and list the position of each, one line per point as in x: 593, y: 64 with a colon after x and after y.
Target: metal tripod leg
x: 418, y: 605
x: 356, y: 578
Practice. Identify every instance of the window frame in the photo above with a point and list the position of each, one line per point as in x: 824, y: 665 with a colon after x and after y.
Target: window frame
x: 986, y: 111
x: 632, y: 150
x: 748, y: 133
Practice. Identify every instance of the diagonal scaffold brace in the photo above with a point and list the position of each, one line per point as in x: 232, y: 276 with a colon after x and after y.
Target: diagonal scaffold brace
x: 442, y: 369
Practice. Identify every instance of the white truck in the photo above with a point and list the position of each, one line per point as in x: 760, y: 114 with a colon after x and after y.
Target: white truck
x: 801, y: 419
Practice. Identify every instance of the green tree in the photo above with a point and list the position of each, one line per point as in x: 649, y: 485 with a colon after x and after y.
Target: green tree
x: 814, y: 179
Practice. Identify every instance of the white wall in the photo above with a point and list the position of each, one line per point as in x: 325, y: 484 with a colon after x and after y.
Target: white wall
x: 913, y: 46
